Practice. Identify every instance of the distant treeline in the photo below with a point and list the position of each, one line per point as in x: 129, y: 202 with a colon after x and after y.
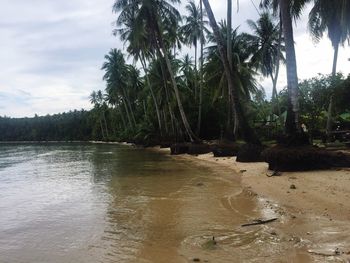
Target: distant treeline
x: 106, y: 123
x: 71, y: 126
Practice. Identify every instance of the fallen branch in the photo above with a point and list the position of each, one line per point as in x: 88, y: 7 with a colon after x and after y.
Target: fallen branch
x: 260, y: 222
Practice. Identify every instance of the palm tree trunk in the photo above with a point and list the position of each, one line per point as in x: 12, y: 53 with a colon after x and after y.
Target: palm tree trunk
x: 171, y: 113
x: 195, y: 56
x: 292, y: 123
x: 229, y: 32
x: 103, y: 136
x: 329, y: 117
x: 277, y: 70
x: 128, y: 114
x: 331, y: 101
x: 105, y: 123
x: 229, y: 57
x: 248, y: 133
x: 195, y: 71
x: 274, y: 92
x: 199, y: 121
x: 152, y: 94
x: 126, y: 98
x: 188, y: 129
x: 165, y: 122
x: 335, y: 60
x: 123, y: 119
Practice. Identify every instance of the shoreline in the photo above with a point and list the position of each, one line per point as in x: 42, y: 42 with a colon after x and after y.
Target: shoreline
x: 312, y: 207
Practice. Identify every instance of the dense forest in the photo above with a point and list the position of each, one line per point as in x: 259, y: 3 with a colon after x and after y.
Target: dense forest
x: 71, y: 126
x: 167, y: 95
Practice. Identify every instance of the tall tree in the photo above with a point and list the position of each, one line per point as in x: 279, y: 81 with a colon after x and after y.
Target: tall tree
x: 202, y: 42
x: 292, y: 123
x: 266, y: 46
x: 191, y: 30
x: 290, y: 9
x: 248, y: 133
x: 118, y: 82
x: 154, y: 16
x: 139, y: 46
x: 96, y: 98
x: 329, y: 16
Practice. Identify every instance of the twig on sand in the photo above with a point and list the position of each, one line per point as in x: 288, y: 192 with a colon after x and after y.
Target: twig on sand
x: 260, y: 222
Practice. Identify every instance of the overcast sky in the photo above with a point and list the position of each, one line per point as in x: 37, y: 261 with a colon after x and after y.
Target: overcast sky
x: 51, y: 52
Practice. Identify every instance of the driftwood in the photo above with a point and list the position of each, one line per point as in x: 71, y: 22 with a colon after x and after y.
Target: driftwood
x: 260, y: 222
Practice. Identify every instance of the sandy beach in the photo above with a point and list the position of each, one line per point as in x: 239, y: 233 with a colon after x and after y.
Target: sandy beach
x: 312, y: 208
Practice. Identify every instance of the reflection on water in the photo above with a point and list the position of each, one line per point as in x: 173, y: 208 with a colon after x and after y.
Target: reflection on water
x: 107, y: 203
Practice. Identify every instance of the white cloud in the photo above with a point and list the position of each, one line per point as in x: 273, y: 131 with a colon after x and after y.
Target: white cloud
x: 51, y: 52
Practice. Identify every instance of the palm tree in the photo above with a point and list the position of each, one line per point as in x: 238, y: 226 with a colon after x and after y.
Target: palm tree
x: 139, y: 46
x: 96, y: 98
x: 192, y: 29
x: 116, y: 76
x: 267, y: 49
x: 193, y: 32
x: 330, y: 15
x: 202, y: 42
x: 288, y: 10
x: 248, y: 133
x: 153, y: 17
x: 327, y: 16
x: 244, y: 74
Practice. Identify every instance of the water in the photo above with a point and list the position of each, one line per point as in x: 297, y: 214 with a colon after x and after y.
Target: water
x: 109, y: 203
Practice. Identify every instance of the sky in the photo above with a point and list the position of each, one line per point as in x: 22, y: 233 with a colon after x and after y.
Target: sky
x: 51, y: 52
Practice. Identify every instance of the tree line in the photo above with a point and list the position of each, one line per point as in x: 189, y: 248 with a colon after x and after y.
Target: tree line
x: 167, y: 95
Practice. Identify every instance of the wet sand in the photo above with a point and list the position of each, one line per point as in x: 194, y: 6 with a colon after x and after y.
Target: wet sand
x: 313, y: 217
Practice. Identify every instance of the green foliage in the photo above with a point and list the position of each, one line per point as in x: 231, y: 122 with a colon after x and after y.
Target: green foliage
x: 71, y: 126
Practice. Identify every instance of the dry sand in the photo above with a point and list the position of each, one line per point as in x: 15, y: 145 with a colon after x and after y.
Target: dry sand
x: 313, y: 207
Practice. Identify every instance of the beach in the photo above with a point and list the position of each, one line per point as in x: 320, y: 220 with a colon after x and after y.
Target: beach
x: 312, y: 207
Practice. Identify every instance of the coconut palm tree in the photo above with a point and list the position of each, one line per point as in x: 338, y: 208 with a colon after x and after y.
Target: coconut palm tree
x: 153, y: 17
x: 202, y: 42
x: 244, y: 74
x: 329, y: 16
x: 289, y: 9
x: 192, y: 28
x: 116, y: 76
x: 248, y: 133
x: 96, y: 98
x: 266, y: 46
x: 194, y: 31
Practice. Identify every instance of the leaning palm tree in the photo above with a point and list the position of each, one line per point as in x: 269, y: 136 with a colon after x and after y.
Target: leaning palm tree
x: 248, y: 133
x: 153, y: 17
x: 96, y: 98
x: 266, y: 46
x: 116, y: 76
x: 194, y: 31
x: 329, y: 16
x: 244, y: 74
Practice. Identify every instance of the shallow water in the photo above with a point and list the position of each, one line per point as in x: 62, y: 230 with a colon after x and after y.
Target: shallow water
x: 109, y: 203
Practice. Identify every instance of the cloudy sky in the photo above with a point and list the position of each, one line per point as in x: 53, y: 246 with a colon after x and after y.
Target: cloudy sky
x: 51, y: 52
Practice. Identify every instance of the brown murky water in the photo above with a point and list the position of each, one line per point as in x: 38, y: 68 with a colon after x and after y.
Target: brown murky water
x: 108, y: 203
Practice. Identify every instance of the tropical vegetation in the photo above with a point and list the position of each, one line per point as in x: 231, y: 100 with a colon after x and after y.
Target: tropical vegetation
x: 189, y: 77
